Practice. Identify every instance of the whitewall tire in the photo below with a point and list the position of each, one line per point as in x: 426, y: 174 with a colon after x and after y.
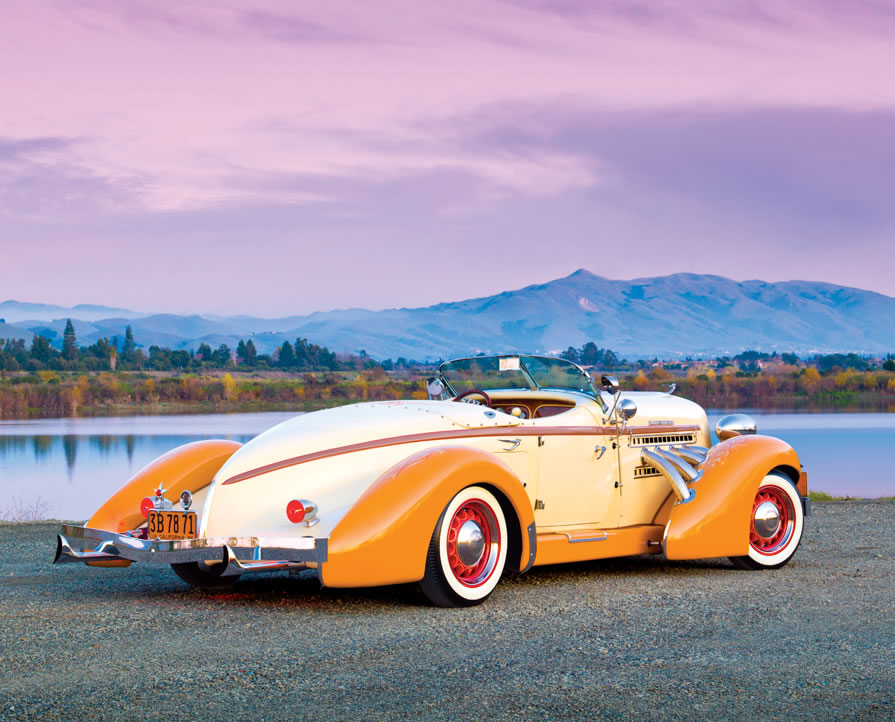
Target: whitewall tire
x: 775, y: 526
x: 468, y: 550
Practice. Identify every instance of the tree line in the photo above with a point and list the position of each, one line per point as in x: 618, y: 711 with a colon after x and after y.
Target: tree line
x: 124, y: 354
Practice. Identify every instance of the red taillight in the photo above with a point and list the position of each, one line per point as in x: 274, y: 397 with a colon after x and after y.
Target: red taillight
x: 145, y: 505
x: 295, y: 511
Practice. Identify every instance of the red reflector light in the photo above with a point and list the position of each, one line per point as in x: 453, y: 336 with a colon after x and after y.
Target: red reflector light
x: 295, y: 511
x: 145, y: 505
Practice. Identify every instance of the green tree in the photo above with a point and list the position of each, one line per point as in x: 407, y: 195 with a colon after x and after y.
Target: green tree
x: 287, y: 355
x: 129, y: 349
x: 241, y: 352
x: 41, y: 349
x: 69, y: 343
x: 251, y: 354
x: 223, y: 354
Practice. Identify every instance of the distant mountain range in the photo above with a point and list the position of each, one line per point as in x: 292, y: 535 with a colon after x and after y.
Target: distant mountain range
x: 668, y: 316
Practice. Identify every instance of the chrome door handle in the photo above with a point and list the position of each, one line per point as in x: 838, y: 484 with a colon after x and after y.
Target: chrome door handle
x: 599, y: 451
x: 514, y: 443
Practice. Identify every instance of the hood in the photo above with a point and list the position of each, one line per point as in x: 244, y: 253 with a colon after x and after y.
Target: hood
x: 661, y: 409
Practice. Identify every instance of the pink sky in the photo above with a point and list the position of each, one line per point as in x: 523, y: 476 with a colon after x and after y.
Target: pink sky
x: 283, y: 157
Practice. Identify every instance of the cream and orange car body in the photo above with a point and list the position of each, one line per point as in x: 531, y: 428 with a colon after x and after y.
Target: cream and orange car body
x: 565, y: 467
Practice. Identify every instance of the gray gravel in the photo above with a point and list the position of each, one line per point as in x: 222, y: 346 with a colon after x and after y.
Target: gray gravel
x: 614, y: 639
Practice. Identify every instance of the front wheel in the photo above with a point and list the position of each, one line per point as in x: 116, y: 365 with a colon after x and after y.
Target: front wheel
x: 775, y: 527
x: 468, y: 550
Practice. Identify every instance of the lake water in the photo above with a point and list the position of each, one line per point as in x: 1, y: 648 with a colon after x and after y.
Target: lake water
x: 66, y: 468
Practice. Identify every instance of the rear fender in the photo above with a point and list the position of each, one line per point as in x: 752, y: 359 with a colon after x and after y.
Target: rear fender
x: 189, y: 467
x: 384, y: 537
x: 715, y: 522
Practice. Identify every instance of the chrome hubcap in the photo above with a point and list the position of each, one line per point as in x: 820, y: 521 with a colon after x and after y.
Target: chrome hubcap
x: 767, y: 520
x: 470, y: 543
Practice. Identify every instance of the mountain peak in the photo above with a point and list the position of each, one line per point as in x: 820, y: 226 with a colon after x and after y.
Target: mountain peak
x: 684, y: 314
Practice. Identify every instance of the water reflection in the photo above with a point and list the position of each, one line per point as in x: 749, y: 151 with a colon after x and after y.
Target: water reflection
x: 75, y: 464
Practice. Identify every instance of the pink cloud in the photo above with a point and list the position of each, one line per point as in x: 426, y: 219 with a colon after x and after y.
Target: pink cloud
x: 173, y: 95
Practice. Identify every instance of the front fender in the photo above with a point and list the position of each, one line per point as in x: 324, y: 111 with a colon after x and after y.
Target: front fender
x: 384, y: 537
x: 715, y: 523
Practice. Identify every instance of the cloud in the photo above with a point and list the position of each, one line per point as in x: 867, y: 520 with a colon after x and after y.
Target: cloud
x: 462, y: 123
x: 288, y: 29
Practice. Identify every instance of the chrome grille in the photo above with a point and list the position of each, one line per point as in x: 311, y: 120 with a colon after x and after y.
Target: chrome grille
x: 640, y: 471
x: 660, y: 439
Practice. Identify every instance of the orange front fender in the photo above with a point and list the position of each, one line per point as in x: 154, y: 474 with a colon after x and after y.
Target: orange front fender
x: 715, y: 523
x: 384, y: 537
x: 191, y: 466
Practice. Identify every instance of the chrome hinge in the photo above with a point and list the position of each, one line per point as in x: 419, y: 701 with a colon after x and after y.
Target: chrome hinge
x: 539, y: 504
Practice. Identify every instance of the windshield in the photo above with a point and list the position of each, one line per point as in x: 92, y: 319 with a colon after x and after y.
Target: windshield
x: 486, y: 372
x: 515, y: 372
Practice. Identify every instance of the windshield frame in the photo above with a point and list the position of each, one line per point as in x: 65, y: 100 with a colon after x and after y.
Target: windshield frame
x: 529, y: 376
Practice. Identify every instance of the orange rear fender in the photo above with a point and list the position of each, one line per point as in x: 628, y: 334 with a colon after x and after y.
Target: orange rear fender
x: 715, y: 523
x: 189, y: 467
x: 384, y: 537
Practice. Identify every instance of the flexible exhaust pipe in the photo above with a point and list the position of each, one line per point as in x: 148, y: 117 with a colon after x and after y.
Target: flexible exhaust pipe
x: 671, y: 474
x: 685, y: 469
x: 686, y: 452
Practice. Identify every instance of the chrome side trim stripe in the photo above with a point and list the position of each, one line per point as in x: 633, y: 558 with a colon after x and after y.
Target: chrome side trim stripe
x: 446, y: 436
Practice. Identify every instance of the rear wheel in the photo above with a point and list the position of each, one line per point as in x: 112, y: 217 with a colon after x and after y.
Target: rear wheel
x: 468, y: 550
x: 205, y: 576
x: 775, y: 527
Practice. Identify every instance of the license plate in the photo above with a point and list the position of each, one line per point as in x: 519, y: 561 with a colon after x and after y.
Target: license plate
x: 172, y: 524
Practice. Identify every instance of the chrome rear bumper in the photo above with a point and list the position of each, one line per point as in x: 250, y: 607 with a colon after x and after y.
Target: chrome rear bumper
x: 238, y: 554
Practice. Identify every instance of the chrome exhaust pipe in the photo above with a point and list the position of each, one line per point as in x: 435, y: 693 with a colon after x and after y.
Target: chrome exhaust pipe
x: 671, y: 474
x: 688, y: 454
x: 233, y: 567
x: 686, y: 470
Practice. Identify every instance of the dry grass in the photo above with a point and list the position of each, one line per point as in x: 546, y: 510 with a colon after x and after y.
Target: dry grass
x: 20, y: 510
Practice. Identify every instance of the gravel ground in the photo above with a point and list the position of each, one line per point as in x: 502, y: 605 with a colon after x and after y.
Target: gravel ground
x: 613, y: 639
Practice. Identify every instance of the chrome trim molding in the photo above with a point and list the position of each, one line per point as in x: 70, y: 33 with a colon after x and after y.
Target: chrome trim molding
x: 585, y: 539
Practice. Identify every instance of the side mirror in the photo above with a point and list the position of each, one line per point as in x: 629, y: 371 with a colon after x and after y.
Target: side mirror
x: 610, y: 384
x: 434, y: 388
x: 627, y: 409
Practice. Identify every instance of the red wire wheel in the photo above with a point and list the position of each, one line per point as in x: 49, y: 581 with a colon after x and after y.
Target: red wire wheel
x: 772, y: 521
x: 473, y: 543
x: 776, y: 523
x: 468, y: 550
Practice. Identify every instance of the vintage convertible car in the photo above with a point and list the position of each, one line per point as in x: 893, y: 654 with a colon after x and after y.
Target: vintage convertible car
x: 535, y: 465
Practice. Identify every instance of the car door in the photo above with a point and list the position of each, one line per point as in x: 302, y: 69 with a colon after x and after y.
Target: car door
x: 577, y: 473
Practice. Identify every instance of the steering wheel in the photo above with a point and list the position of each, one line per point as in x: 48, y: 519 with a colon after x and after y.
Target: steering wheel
x: 462, y: 397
